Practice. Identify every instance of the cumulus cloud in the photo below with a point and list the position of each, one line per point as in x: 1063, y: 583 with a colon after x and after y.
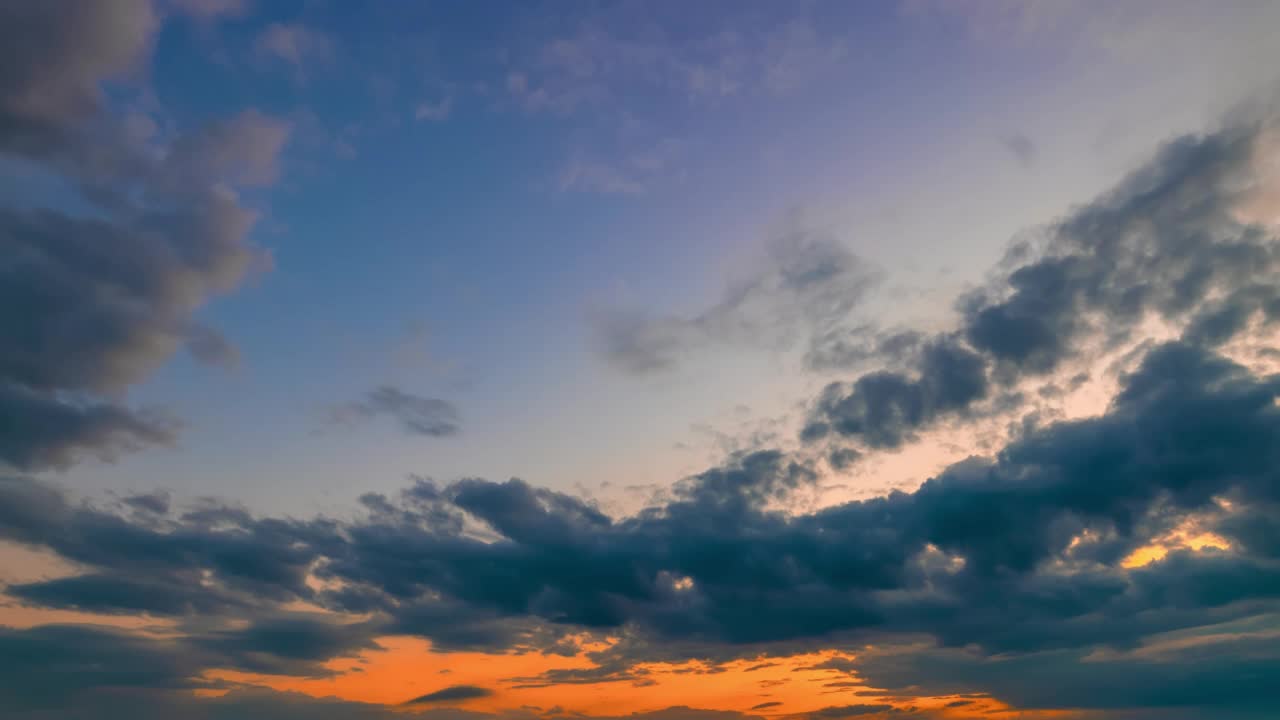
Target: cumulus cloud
x: 96, y: 300
x: 1166, y: 245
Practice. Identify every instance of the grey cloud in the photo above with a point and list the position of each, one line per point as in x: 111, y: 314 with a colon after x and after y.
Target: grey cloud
x: 38, y: 430
x: 811, y: 284
x: 155, y: 502
x: 416, y: 414
x: 1167, y: 243
x: 1040, y: 530
x: 453, y: 693
x: 97, y: 300
x: 885, y: 408
x: 56, y: 52
x: 844, y: 711
x: 1021, y: 147
x: 845, y: 348
x: 1234, y: 678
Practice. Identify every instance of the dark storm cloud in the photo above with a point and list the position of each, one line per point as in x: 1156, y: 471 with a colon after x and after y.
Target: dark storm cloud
x: 1167, y: 243
x: 96, y: 299
x: 811, y: 284
x: 417, y: 415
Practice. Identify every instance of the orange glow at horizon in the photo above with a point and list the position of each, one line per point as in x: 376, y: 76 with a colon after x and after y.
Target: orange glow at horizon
x: 405, y: 668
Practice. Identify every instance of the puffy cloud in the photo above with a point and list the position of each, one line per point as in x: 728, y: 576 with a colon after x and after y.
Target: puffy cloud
x: 95, y: 299
x: 1168, y: 245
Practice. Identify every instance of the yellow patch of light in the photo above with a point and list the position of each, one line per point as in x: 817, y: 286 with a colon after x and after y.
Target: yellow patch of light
x: 1157, y: 551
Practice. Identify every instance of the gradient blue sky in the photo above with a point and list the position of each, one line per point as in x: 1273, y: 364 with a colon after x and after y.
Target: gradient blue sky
x: 468, y: 187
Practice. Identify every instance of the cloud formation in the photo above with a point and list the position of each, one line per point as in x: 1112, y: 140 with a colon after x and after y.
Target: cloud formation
x: 810, y: 285
x: 416, y: 414
x: 1011, y: 575
x: 453, y: 693
x: 1168, y: 245
x: 97, y: 298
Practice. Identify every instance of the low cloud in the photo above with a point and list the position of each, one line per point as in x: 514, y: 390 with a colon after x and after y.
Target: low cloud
x: 453, y: 693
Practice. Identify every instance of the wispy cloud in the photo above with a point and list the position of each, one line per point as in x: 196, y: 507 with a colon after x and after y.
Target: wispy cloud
x: 809, y: 284
x: 416, y: 414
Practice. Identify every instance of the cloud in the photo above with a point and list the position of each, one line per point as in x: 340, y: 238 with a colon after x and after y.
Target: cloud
x: 1044, y: 527
x: 582, y: 66
x: 55, y: 59
x: 453, y: 693
x: 1004, y: 574
x: 417, y: 415
x: 1166, y: 245
x: 293, y: 44
x: 1021, y: 147
x: 435, y: 111
x: 844, y: 711
x: 810, y: 284
x: 98, y: 299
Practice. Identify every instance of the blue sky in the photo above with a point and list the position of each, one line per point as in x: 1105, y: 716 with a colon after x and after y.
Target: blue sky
x: 464, y: 190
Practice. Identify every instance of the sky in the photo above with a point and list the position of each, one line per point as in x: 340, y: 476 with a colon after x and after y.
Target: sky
x: 648, y: 360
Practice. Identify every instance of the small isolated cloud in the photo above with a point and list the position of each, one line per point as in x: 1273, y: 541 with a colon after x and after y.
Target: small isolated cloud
x: 438, y: 110
x: 416, y: 414
x: 453, y: 693
x: 293, y: 44
x: 1021, y: 147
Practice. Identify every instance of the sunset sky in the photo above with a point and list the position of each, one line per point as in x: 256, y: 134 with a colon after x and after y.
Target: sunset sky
x: 715, y: 360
